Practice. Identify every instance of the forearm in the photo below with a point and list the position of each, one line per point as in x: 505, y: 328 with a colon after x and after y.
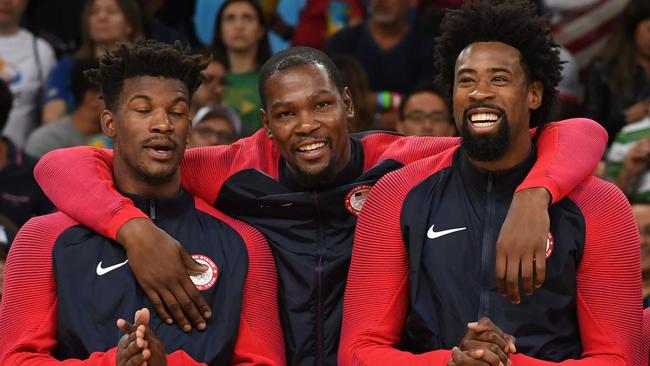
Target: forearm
x: 89, y: 195
x: 568, y: 153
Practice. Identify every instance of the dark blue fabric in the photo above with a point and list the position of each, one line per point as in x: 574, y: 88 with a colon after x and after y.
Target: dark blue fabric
x: 89, y: 304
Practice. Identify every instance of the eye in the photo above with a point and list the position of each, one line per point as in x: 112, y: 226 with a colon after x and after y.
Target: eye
x: 285, y: 114
x: 499, y: 79
x: 142, y: 110
x: 464, y: 80
x: 177, y: 114
x: 323, y: 104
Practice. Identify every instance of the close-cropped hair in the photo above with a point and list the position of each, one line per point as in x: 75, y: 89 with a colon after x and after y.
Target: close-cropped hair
x: 297, y: 56
x: 513, y: 22
x: 429, y: 88
x: 146, y: 58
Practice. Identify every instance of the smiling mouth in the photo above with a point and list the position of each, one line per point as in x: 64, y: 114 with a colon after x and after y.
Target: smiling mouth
x: 483, y: 119
x: 311, y: 147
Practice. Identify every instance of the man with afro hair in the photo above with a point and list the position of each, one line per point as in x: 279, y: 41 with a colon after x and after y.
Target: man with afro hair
x: 421, y: 288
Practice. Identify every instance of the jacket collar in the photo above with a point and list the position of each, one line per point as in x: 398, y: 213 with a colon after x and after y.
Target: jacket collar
x: 160, y: 209
x: 501, y: 181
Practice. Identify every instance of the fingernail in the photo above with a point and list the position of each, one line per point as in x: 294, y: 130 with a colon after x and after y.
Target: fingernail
x: 472, y: 324
x: 187, y: 328
x: 501, y: 363
x: 207, y: 314
x: 201, y: 326
x: 169, y: 321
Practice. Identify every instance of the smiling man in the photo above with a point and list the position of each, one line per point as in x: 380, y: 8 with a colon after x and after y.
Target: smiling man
x: 426, y: 240
x: 66, y: 286
x: 302, y: 181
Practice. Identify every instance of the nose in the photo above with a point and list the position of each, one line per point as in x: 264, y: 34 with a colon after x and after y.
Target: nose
x: 160, y: 123
x: 482, y: 91
x: 306, y: 123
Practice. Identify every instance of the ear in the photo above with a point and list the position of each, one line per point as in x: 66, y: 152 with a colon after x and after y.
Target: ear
x: 347, y: 100
x: 264, y: 116
x: 535, y: 91
x: 108, y: 124
x: 189, y: 130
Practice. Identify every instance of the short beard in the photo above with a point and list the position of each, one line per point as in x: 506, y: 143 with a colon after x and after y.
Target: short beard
x: 320, y: 179
x: 154, y: 179
x: 490, y: 147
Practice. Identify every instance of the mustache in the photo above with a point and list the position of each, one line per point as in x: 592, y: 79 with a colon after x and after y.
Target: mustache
x: 160, y: 138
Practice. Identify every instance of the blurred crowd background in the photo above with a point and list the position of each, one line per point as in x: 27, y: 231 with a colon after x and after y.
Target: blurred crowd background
x: 383, y: 48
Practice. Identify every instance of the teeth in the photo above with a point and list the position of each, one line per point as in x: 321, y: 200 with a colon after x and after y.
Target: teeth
x: 483, y: 124
x: 484, y: 117
x: 311, y: 147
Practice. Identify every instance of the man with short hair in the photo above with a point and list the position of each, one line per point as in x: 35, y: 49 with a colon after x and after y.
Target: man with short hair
x: 426, y: 240
x: 66, y: 286
x: 302, y: 181
x: 424, y: 112
x: 74, y: 129
x: 212, y: 126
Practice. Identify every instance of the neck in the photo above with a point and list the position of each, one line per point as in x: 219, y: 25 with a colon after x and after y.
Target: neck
x: 243, y: 61
x: 129, y: 181
x: 4, y: 153
x: 388, y: 33
x: 517, y: 152
x: 86, y: 121
x: 9, y: 29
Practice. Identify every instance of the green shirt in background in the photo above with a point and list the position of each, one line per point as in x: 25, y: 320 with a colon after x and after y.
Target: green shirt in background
x: 241, y: 95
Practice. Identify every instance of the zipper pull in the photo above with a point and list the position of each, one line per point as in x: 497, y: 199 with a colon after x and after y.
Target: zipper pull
x: 152, y: 209
x: 490, y: 182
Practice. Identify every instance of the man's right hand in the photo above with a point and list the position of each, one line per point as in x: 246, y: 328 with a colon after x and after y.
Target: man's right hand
x: 161, y: 266
x: 486, y: 342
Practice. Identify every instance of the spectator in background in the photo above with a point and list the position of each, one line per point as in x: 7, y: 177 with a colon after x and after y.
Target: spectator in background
x: 215, y: 126
x: 77, y: 128
x: 321, y: 19
x: 240, y: 38
x: 20, y: 196
x: 25, y: 64
x: 628, y: 161
x: 569, y: 90
x: 210, y: 92
x: 169, y: 21
x: 424, y: 112
x: 617, y: 88
x: 355, y: 78
x: 395, y: 56
x: 104, y: 24
x: 642, y: 215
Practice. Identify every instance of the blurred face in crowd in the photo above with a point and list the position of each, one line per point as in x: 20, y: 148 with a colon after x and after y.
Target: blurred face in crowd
x: 241, y: 28
x: 307, y: 117
x: 107, y: 23
x: 642, y: 38
x: 210, y: 92
x: 388, y: 12
x: 150, y: 129
x: 492, y: 101
x: 212, y: 131
x: 11, y: 11
x: 426, y: 114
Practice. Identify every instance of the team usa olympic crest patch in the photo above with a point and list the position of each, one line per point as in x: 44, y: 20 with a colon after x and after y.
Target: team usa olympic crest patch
x: 204, y: 281
x: 356, y: 197
x: 549, y: 244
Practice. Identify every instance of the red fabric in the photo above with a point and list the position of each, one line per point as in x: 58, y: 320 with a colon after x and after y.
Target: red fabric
x: 311, y: 30
x: 608, y: 281
x: 373, y: 316
x: 646, y: 331
x: 28, y: 311
x: 569, y: 151
x: 260, y: 340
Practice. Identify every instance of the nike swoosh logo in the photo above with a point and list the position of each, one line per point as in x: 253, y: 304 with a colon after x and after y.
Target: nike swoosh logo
x: 436, y: 234
x: 102, y: 271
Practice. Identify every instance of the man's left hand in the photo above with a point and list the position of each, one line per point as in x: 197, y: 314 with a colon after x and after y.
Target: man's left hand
x: 522, y: 243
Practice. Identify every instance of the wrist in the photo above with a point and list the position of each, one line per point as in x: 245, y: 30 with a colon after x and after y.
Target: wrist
x: 130, y: 231
x: 538, y: 195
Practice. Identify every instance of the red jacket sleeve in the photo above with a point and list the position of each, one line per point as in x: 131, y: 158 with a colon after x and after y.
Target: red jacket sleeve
x: 568, y: 152
x: 377, y: 295
x: 610, y: 313
x: 260, y: 340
